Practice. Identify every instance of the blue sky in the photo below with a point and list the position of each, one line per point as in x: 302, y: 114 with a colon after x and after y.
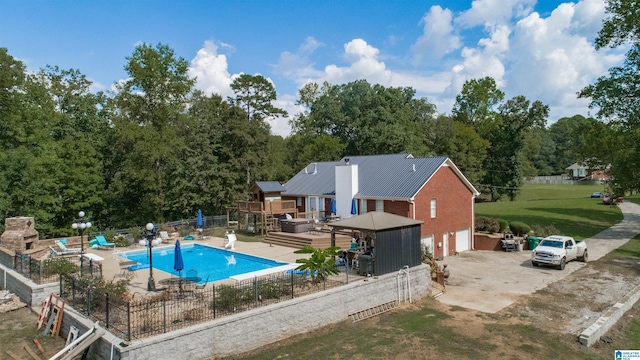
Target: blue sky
x: 543, y: 50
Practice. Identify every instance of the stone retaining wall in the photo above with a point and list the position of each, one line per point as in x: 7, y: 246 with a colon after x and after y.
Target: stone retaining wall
x: 238, y: 333
x: 249, y: 330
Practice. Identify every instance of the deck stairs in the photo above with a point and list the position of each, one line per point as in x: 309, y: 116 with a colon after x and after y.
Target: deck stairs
x: 316, y: 239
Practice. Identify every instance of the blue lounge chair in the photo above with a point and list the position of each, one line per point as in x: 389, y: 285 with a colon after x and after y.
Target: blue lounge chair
x: 103, y: 243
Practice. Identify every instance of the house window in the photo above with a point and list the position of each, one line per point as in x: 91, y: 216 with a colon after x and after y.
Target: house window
x: 433, y: 208
x: 380, y: 205
x: 299, y: 201
x: 363, y: 206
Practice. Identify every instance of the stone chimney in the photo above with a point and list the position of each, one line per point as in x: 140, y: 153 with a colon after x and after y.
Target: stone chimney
x: 19, y: 234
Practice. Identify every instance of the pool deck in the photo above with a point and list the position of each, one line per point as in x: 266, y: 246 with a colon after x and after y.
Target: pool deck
x: 138, y: 285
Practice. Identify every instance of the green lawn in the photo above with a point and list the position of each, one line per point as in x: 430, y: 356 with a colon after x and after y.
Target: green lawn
x: 569, y: 208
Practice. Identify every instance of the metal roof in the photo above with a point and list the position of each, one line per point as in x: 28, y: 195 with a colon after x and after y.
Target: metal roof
x: 374, y: 221
x: 270, y: 186
x: 395, y: 176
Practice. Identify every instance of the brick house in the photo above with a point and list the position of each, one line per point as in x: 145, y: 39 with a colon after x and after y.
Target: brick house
x: 431, y: 189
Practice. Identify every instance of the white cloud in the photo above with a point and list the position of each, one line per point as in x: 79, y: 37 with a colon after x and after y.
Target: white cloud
x: 552, y: 58
x: 211, y: 70
x: 437, y: 38
x: 548, y: 59
x: 492, y: 12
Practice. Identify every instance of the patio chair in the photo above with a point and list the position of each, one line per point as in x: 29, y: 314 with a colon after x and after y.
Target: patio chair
x: 64, y: 249
x: 165, y: 237
x: 230, y: 240
x: 103, y: 243
x: 201, y: 287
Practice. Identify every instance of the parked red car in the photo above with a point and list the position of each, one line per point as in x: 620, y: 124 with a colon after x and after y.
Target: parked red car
x: 607, y: 199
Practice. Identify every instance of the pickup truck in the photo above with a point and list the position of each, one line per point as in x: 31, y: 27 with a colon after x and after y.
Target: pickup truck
x: 557, y: 250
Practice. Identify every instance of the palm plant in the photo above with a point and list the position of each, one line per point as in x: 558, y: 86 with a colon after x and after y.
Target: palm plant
x: 320, y: 264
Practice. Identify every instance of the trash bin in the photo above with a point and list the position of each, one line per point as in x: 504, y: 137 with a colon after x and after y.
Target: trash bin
x: 519, y: 246
x: 533, y: 242
x: 366, y: 266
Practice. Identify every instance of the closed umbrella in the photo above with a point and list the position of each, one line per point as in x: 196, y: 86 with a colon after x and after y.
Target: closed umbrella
x: 354, y: 207
x: 178, y: 264
x: 333, y: 206
x: 199, y: 222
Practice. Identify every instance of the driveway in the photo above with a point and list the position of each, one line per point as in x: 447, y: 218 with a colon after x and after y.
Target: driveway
x: 489, y: 281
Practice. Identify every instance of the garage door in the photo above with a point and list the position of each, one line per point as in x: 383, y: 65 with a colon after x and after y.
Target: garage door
x: 428, y: 242
x: 463, y: 240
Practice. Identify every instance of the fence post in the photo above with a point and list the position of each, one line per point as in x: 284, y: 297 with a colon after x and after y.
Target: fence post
x: 164, y: 315
x: 128, y: 320
x: 106, y: 306
x: 255, y: 290
x: 89, y: 300
x: 292, y: 285
x: 324, y: 277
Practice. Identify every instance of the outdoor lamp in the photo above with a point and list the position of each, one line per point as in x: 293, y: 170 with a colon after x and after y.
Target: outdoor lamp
x: 150, y: 242
x: 80, y: 224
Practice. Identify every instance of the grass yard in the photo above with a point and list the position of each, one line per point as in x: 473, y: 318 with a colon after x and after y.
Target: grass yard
x: 567, y: 207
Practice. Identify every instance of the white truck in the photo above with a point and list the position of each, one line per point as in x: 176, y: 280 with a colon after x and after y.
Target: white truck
x: 557, y: 250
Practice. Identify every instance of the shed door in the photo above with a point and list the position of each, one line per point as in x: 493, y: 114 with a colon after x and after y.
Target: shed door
x: 463, y: 240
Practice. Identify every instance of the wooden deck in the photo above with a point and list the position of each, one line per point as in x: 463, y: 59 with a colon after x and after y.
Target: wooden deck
x: 318, y: 240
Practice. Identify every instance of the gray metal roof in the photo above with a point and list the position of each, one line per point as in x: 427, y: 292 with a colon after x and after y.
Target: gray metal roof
x: 395, y: 176
x: 270, y: 186
x: 374, y: 221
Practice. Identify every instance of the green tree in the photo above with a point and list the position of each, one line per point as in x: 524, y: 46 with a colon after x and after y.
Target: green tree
x: 477, y: 104
x: 151, y: 106
x: 503, y: 163
x: 468, y: 152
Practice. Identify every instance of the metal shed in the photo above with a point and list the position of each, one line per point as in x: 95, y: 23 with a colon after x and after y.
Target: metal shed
x: 395, y: 239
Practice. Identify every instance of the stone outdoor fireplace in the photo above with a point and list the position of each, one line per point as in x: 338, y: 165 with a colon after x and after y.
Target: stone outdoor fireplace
x: 19, y: 234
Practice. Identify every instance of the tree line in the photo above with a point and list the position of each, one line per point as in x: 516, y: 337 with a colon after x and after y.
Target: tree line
x: 155, y: 149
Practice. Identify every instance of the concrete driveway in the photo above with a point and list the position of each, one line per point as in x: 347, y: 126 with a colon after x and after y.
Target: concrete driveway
x: 489, y: 281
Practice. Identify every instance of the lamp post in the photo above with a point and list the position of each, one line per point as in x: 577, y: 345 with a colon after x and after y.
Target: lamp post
x: 150, y: 241
x: 81, y: 223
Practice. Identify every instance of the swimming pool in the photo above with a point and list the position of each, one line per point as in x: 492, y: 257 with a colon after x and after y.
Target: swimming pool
x: 212, y: 263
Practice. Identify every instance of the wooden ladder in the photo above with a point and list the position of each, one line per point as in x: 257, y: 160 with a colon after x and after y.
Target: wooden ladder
x: 55, y: 318
x: 373, y: 311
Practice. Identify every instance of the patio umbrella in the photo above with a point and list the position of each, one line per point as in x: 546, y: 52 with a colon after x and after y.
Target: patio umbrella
x: 333, y: 206
x: 354, y: 207
x: 178, y: 264
x: 199, y: 222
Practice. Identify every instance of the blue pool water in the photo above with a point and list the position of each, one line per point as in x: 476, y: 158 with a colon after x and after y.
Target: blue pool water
x: 212, y: 263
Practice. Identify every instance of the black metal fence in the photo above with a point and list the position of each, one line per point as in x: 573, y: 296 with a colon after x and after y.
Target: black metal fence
x: 180, y: 307
x: 45, y: 271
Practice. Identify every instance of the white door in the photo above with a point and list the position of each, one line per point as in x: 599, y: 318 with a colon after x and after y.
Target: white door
x: 427, y: 242
x: 445, y: 244
x: 315, y: 205
x: 463, y: 241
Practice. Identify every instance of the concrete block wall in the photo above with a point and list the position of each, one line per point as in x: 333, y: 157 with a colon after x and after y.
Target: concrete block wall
x: 594, y: 332
x: 28, y: 291
x: 249, y: 330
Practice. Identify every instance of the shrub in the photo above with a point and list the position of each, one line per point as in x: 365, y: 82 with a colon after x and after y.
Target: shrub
x: 120, y: 240
x: 110, y: 234
x: 504, y: 224
x: 487, y: 224
x: 519, y: 228
x: 136, y: 232
x: 545, y: 231
x: 481, y: 223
